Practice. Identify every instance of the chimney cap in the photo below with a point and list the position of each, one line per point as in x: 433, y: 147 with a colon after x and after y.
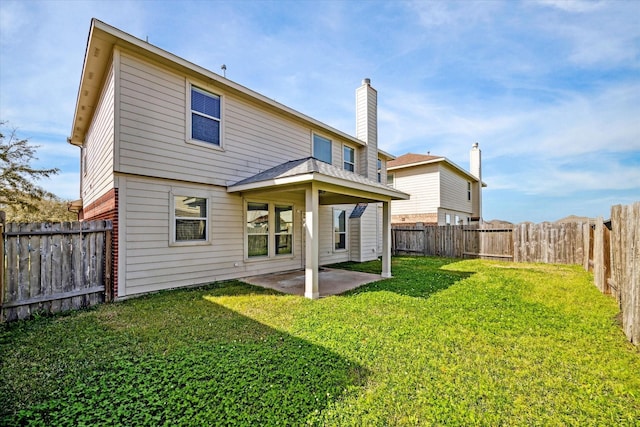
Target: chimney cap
x: 366, y: 81
x: 475, y: 145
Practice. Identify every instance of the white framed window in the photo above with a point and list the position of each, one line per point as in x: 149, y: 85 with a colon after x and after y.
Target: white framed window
x: 458, y: 221
x: 447, y: 219
x: 391, y: 180
x: 469, y: 190
x: 269, y: 229
x: 380, y: 170
x: 322, y: 148
x: 189, y: 219
x: 257, y: 229
x: 339, y: 229
x: 284, y: 229
x: 205, y: 116
x: 349, y: 158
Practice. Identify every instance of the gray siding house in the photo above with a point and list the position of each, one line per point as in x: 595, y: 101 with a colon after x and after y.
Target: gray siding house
x: 207, y: 180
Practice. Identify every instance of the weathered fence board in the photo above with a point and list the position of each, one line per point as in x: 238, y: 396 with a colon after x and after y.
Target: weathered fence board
x: 550, y: 242
x: 625, y: 266
x: 54, y: 267
x: 454, y: 241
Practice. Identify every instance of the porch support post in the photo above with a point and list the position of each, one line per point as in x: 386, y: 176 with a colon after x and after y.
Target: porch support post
x: 312, y: 244
x: 386, y: 239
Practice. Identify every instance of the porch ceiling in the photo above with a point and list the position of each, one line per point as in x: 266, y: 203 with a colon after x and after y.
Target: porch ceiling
x: 336, y: 185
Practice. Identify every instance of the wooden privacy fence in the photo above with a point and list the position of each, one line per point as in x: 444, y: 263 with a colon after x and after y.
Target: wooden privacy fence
x: 455, y: 241
x: 616, y: 264
x: 54, y: 267
x: 562, y: 243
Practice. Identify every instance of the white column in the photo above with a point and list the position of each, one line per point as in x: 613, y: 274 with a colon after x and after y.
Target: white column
x: 386, y: 239
x: 312, y: 243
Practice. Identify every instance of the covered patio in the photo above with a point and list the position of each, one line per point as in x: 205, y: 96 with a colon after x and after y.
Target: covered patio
x: 331, y: 281
x: 323, y: 184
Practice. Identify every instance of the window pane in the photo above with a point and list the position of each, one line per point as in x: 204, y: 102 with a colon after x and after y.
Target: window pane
x: 189, y: 229
x: 348, y: 154
x: 284, y: 219
x: 339, y: 220
x: 257, y: 218
x: 258, y: 245
x: 341, y: 240
x: 257, y: 229
x: 193, y: 207
x: 322, y: 148
x: 205, y: 129
x: 283, y: 244
x: 208, y: 104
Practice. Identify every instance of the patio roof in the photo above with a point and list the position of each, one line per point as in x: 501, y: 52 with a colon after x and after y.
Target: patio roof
x: 309, y: 169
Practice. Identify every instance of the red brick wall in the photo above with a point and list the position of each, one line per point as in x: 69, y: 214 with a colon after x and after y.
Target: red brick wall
x: 106, y: 208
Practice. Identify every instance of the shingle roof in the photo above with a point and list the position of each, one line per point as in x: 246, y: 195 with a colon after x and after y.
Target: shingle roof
x: 306, y: 166
x: 310, y: 165
x: 410, y: 158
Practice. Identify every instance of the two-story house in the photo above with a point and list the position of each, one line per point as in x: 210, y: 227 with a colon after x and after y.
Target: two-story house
x: 442, y: 193
x: 207, y: 180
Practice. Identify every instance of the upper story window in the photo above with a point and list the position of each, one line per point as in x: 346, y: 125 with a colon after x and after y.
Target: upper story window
x: 391, y: 180
x: 469, y: 190
x: 380, y: 170
x: 205, y: 116
x: 349, y: 158
x: 322, y: 148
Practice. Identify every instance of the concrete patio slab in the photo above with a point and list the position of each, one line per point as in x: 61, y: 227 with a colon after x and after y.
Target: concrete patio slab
x: 331, y: 281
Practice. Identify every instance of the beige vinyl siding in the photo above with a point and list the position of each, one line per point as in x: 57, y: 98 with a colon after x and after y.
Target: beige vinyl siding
x: 355, y: 251
x: 369, y: 233
x: 422, y: 184
x: 153, y: 130
x: 327, y: 253
x: 99, y: 146
x: 149, y: 263
x: 442, y: 216
x: 454, y: 191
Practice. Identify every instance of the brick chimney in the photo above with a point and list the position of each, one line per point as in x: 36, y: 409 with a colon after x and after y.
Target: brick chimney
x: 367, y: 128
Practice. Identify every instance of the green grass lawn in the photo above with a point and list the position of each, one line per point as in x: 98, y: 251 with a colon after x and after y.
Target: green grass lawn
x: 444, y: 342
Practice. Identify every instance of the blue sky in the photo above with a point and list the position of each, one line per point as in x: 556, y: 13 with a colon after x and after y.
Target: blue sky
x: 549, y: 89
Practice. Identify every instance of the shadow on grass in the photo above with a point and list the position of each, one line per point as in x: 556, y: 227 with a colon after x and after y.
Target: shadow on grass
x: 183, y: 361
x: 418, y: 277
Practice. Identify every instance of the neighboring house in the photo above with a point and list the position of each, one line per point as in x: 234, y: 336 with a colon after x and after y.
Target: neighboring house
x: 207, y: 180
x: 441, y: 192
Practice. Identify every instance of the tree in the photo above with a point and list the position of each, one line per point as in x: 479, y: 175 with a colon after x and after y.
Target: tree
x: 48, y: 209
x: 18, y: 188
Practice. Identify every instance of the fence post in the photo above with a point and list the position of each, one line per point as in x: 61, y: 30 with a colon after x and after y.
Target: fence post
x: 2, y: 219
x: 108, y: 264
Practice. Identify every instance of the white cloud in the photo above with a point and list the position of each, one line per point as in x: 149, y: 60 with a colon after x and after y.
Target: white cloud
x: 574, y: 6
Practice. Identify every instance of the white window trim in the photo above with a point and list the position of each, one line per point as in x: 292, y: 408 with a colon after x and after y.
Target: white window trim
x: 345, y: 161
x: 188, y: 138
x: 333, y: 230
x: 469, y: 191
x: 393, y: 180
x: 271, y: 239
x: 172, y: 218
x: 312, y: 145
